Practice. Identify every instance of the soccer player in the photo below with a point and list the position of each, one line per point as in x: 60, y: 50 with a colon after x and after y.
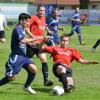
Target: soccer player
x: 95, y: 45
x: 53, y: 25
x: 37, y: 27
x: 3, y: 23
x: 62, y: 57
x: 76, y: 26
x: 17, y: 58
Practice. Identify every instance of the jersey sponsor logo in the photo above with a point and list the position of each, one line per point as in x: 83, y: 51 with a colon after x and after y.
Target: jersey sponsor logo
x: 41, y: 27
x: 67, y: 53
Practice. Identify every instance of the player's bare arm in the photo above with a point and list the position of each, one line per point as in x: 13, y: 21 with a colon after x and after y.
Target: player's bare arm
x: 27, y: 40
x: 83, y: 61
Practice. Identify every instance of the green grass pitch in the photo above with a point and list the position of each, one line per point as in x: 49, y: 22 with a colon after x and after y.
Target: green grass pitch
x: 86, y: 77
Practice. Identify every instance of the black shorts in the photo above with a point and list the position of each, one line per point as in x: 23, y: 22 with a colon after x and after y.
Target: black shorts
x: 68, y: 70
x: 2, y: 34
x: 31, y: 51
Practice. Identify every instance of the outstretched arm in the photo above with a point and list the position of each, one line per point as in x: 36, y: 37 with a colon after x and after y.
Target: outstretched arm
x: 83, y: 61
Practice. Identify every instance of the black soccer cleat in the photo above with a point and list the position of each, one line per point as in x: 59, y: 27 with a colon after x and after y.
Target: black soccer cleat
x: 69, y: 89
x: 48, y: 83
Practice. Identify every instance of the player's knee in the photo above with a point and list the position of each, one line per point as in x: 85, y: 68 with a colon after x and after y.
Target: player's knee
x: 61, y: 69
x: 43, y: 58
x: 32, y: 68
x: 70, y: 81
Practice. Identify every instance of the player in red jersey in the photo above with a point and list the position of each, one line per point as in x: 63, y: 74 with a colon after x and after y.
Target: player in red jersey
x: 62, y: 57
x: 36, y: 30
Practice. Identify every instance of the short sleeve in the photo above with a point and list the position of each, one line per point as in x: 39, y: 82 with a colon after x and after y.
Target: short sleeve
x: 48, y: 49
x: 20, y: 34
x: 77, y: 55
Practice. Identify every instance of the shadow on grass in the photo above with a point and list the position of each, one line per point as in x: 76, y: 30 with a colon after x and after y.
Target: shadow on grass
x: 14, y: 93
x: 43, y: 89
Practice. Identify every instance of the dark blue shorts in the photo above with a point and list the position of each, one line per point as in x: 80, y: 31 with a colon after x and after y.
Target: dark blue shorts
x: 2, y: 34
x: 55, y: 38
x: 15, y: 63
x: 76, y: 28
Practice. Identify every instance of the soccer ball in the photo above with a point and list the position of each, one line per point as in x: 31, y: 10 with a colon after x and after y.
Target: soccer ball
x: 58, y: 90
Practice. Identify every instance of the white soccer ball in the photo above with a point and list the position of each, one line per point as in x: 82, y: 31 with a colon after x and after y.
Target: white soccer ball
x: 58, y: 90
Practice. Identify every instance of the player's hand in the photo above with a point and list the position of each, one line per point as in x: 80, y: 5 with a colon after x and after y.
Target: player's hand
x: 95, y: 62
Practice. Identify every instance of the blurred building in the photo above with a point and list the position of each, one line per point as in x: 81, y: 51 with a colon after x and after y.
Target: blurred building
x: 94, y: 4
x: 62, y: 4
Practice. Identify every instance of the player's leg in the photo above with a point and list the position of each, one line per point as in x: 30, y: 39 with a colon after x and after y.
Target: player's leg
x: 95, y: 45
x: 56, y: 39
x: 80, y: 35
x: 2, y: 36
x: 60, y: 72
x: 43, y: 59
x: 69, y: 79
x: 72, y: 31
x: 12, y: 68
x: 31, y: 70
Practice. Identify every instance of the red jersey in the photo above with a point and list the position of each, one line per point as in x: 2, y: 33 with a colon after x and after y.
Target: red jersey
x: 37, y: 25
x: 63, y: 55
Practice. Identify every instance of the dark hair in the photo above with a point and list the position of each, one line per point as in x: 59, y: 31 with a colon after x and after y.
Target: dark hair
x: 39, y: 6
x: 24, y: 16
x: 64, y: 35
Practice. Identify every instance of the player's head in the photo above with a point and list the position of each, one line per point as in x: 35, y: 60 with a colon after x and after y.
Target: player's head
x: 24, y: 19
x: 77, y: 9
x: 56, y: 12
x: 41, y: 10
x: 64, y: 40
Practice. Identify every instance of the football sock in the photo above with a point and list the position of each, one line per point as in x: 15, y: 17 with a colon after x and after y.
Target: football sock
x: 96, y: 44
x: 45, y: 71
x: 29, y: 80
x: 80, y: 38
x: 64, y: 80
x: 4, y: 81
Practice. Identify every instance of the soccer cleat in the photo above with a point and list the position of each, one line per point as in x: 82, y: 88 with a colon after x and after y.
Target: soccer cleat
x: 83, y: 43
x: 48, y: 83
x: 30, y: 90
x: 69, y: 89
x: 93, y: 49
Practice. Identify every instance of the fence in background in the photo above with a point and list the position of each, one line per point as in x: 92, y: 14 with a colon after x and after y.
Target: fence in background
x: 12, y: 10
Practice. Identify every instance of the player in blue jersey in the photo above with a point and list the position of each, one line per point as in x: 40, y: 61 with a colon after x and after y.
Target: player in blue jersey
x: 76, y: 26
x: 53, y: 25
x: 17, y: 58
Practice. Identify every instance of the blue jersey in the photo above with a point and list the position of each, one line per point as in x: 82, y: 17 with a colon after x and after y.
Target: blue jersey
x: 16, y: 46
x: 77, y: 17
x: 52, y: 22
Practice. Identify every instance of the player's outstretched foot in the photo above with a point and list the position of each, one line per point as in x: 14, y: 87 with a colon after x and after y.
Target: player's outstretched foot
x: 83, y: 43
x: 48, y: 83
x: 93, y: 50
x: 30, y: 90
x: 69, y: 89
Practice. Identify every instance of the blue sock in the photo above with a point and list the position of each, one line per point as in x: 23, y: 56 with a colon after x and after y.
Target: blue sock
x: 4, y: 81
x: 29, y: 80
